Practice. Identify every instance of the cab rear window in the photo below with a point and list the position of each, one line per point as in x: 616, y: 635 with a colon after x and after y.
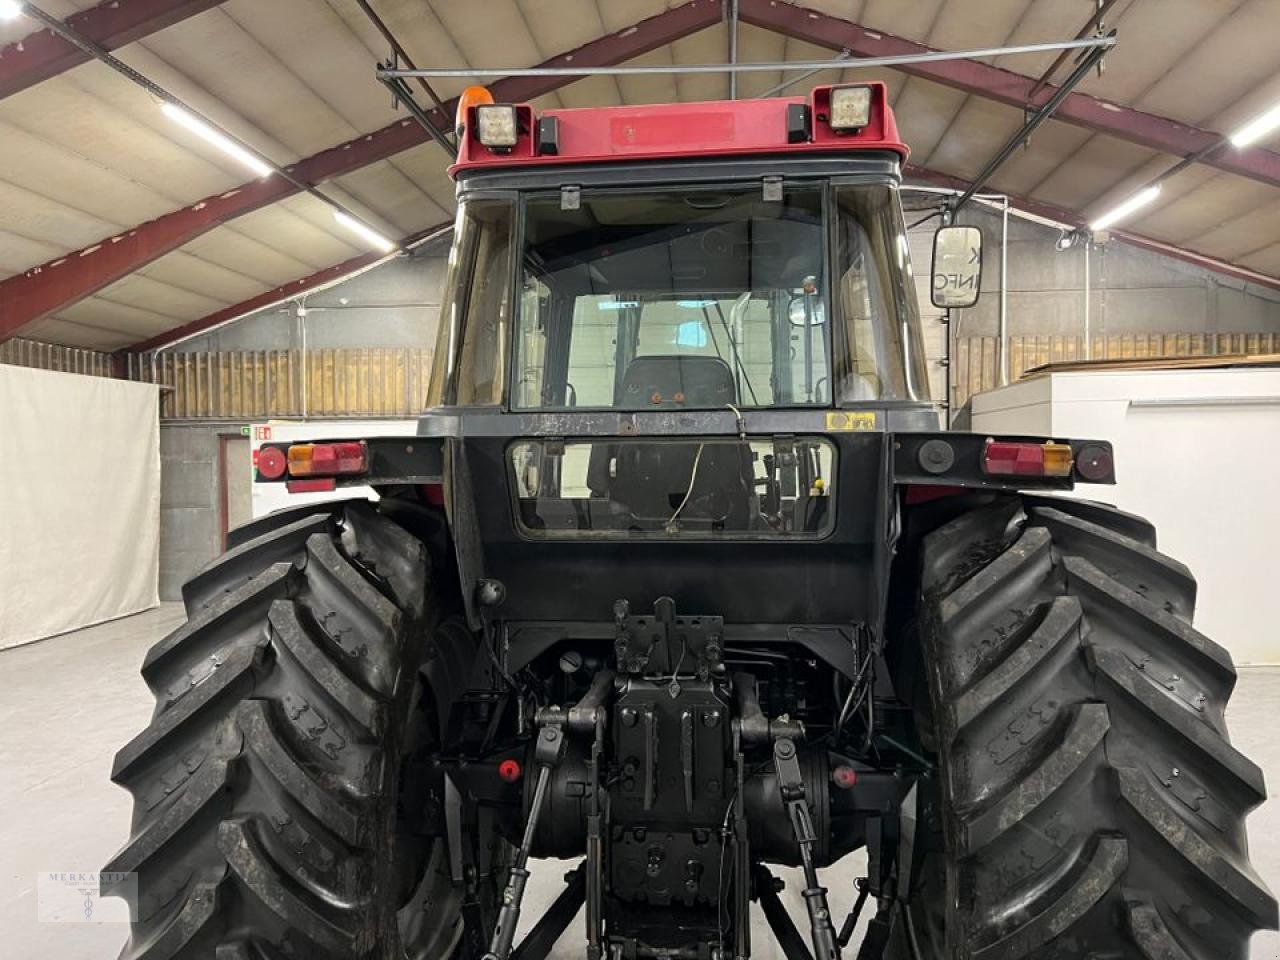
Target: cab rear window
x: 760, y: 487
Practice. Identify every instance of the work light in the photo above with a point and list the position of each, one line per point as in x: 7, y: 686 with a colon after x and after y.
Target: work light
x: 496, y: 125
x: 850, y: 108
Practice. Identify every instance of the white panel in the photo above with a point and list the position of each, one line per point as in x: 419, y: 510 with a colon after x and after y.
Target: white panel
x: 1092, y: 170
x: 419, y: 31
x: 591, y: 92
x: 765, y: 46
x: 94, y: 113
x: 57, y: 330
x: 976, y: 132
x: 619, y: 16
x: 245, y: 246
x: 104, y: 312
x: 84, y: 547
x: 705, y: 46
x: 1200, y: 199
x: 1173, y: 432
x: 394, y: 196
x: 319, y: 48
x: 251, y: 85
x: 910, y: 20
x: 141, y: 291
x: 1267, y: 260
x: 1245, y: 234
x: 182, y: 269
x: 1154, y: 39
x: 651, y: 88
x: 924, y: 111
x: 17, y: 252
x: 53, y: 170
x: 1212, y: 84
x: 48, y: 221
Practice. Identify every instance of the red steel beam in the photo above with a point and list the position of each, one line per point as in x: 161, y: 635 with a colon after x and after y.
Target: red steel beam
x: 56, y: 285
x: 281, y: 294
x: 1011, y: 89
x: 111, y: 24
x: 1049, y: 211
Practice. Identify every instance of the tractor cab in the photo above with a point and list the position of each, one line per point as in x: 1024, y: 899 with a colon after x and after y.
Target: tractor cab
x: 643, y: 236
x: 743, y: 259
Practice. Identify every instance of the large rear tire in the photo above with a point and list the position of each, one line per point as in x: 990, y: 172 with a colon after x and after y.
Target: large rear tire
x: 1089, y: 801
x: 270, y: 814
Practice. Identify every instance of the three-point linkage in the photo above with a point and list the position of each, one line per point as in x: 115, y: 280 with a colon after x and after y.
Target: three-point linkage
x: 791, y: 786
x: 547, y: 755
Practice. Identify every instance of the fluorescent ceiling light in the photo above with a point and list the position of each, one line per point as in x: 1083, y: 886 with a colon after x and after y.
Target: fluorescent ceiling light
x: 1116, y: 214
x: 219, y: 140
x: 10, y: 10
x: 362, y: 230
x: 1257, y: 128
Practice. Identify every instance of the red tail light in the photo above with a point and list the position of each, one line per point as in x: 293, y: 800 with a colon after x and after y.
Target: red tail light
x: 1003, y: 458
x: 272, y: 463
x: 328, y: 459
x: 315, y: 485
x: 509, y: 770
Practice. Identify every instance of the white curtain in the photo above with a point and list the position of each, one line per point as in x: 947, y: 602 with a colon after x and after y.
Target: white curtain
x: 79, y: 501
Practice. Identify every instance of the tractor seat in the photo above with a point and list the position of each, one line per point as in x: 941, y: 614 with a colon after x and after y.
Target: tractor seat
x: 652, y: 477
x: 676, y: 382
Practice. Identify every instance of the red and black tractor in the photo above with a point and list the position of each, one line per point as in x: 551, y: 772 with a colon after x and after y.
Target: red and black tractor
x: 679, y: 577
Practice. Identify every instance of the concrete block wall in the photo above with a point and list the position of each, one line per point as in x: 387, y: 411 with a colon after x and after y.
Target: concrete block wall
x: 190, y: 488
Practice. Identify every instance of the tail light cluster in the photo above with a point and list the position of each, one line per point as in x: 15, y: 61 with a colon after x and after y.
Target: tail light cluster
x: 313, y: 466
x: 1004, y: 458
x: 1016, y: 458
x: 971, y: 460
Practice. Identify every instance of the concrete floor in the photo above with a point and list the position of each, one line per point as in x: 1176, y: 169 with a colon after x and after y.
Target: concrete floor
x: 67, y: 704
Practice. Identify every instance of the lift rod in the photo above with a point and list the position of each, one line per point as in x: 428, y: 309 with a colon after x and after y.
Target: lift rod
x: 1040, y: 116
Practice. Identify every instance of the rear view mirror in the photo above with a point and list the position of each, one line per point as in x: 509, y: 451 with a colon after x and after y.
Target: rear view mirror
x: 957, y: 267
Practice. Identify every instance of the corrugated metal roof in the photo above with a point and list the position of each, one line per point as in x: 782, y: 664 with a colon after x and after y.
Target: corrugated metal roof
x: 87, y: 155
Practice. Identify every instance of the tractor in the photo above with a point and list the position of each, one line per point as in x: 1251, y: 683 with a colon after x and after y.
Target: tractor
x: 680, y: 578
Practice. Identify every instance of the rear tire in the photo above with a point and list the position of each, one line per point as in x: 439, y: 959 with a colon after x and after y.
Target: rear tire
x: 1091, y: 804
x: 269, y: 814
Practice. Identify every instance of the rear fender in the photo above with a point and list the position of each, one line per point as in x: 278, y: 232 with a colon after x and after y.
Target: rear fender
x: 941, y: 463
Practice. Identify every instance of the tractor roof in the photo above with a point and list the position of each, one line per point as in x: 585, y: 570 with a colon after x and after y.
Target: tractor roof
x: 669, y: 131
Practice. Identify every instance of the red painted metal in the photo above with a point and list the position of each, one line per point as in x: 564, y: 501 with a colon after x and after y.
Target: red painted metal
x: 1072, y: 219
x: 672, y: 131
x: 50, y: 287
x: 315, y: 485
x: 1012, y: 89
x: 111, y: 24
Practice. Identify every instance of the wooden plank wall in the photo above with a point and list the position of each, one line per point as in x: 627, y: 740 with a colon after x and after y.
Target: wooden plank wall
x: 49, y: 356
x: 260, y: 384
x: 378, y: 381
x: 976, y: 364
